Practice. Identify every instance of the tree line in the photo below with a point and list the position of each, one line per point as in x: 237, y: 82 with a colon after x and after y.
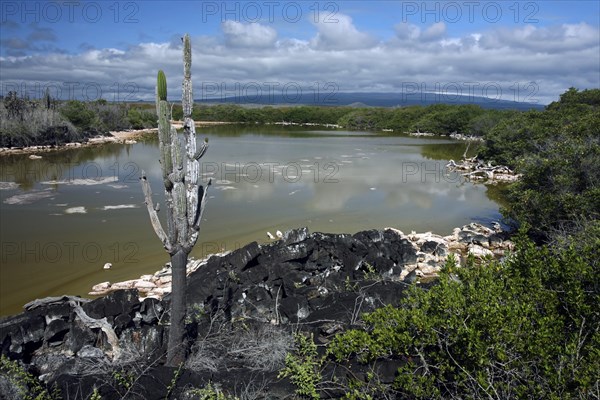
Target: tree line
x: 47, y: 121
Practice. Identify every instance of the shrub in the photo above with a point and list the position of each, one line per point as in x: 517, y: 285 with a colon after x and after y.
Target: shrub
x: 525, y: 328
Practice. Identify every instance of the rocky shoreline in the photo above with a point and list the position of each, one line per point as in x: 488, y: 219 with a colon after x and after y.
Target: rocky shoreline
x: 123, y: 137
x: 128, y: 136
x: 238, y: 303
x: 479, y: 171
x: 432, y: 253
x: 453, y: 135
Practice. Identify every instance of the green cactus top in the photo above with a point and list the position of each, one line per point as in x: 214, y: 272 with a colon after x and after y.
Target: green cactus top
x: 161, y: 84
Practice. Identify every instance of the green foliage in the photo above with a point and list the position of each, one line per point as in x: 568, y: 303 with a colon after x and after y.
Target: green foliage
x: 527, y: 328
x: 195, y: 313
x: 96, y: 395
x: 444, y: 119
x: 370, y: 272
x: 78, y: 113
x: 26, y: 385
x: 365, y: 119
x: 441, y: 119
x: 209, y: 392
x: 141, y: 119
x: 557, y: 151
x: 303, y: 366
x: 573, y: 96
x: 174, y: 380
x: 161, y: 85
x: 559, y: 185
x: 123, y: 378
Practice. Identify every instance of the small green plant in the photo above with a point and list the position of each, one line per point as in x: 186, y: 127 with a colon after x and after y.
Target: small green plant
x: 123, y: 378
x: 95, y: 395
x: 303, y: 366
x: 28, y: 387
x: 173, y: 383
x: 370, y: 272
x: 209, y: 392
x: 349, y: 286
x: 195, y: 313
x: 233, y: 277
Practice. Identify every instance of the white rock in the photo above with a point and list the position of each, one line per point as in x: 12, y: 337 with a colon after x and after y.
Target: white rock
x: 479, y: 251
x: 125, y: 284
x: 101, y: 287
x: 161, y: 291
x: 147, y: 278
x: 107, y: 266
x: 427, y: 269
x: 144, y: 285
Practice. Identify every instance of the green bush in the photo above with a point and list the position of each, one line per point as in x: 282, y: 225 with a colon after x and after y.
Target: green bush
x: 557, y: 151
x: 303, y: 366
x: 526, y: 328
x: 79, y: 114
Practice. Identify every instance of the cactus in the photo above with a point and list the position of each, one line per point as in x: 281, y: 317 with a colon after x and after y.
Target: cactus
x: 161, y: 84
x: 185, y: 198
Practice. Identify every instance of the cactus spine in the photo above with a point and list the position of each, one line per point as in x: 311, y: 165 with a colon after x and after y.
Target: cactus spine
x: 185, y: 197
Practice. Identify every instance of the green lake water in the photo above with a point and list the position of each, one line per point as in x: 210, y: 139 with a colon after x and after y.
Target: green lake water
x: 64, y: 216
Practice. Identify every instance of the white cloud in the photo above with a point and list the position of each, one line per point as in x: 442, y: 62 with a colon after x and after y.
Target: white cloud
x: 238, y: 34
x: 555, y: 57
x: 434, y: 32
x: 405, y: 30
x: 408, y: 32
x: 340, y: 33
x: 566, y: 37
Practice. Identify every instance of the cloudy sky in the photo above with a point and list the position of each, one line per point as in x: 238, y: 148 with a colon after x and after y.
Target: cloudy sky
x: 517, y: 51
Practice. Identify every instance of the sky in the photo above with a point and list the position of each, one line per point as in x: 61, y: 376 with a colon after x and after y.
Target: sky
x: 528, y: 51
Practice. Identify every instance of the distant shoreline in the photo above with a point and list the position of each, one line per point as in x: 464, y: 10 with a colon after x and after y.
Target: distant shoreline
x: 123, y: 137
x: 129, y: 136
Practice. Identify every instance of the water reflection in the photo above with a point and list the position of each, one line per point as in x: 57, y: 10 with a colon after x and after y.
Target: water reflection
x: 65, y: 215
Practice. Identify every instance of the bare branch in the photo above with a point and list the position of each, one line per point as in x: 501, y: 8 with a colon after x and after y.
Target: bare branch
x: 153, y: 213
x: 98, y: 323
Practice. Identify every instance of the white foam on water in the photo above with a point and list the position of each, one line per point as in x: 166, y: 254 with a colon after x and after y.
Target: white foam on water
x: 76, y: 210
x: 119, y: 207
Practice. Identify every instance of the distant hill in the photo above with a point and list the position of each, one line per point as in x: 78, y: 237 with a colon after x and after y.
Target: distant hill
x: 354, y: 99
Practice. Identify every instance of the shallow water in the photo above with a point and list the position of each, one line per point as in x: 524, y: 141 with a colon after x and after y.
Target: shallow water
x: 75, y: 210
